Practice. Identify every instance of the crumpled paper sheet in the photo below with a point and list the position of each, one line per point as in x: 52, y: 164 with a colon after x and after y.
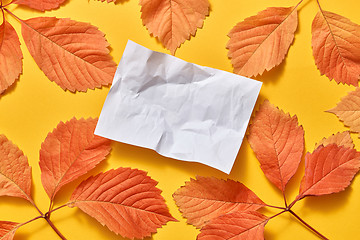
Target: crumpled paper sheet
x: 179, y: 109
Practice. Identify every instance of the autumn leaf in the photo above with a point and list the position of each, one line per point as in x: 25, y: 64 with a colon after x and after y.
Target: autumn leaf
x: 235, y: 226
x: 41, y: 5
x: 278, y: 143
x: 336, y: 47
x: 10, y: 56
x: 340, y: 139
x: 261, y: 42
x: 329, y: 170
x: 73, y: 54
x: 69, y: 152
x: 173, y: 21
x: 348, y: 110
x: 15, y: 172
x: 125, y: 200
x: 7, y: 230
x: 205, y: 198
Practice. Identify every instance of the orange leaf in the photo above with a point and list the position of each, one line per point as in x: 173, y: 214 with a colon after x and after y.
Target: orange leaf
x: 69, y: 152
x: 340, y: 139
x: 125, y: 200
x: 278, y: 143
x: 15, y: 172
x: 10, y: 56
x: 336, y: 47
x: 41, y: 5
x: 348, y: 110
x: 261, y: 42
x: 73, y: 54
x: 235, y: 226
x: 206, y: 198
x: 329, y: 170
x: 173, y: 21
x: 7, y: 230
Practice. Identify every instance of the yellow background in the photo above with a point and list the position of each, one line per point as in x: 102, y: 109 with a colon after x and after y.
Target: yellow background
x: 35, y: 105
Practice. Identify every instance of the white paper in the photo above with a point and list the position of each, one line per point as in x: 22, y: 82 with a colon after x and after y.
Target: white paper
x: 181, y: 110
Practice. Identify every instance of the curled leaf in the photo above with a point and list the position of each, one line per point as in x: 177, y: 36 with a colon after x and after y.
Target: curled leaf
x: 340, y: 139
x: 73, y: 54
x: 173, y: 21
x: 41, y: 5
x: 278, y: 143
x: 336, y: 47
x: 10, y: 56
x: 15, y: 172
x: 235, y: 226
x: 261, y: 42
x: 7, y: 230
x: 69, y: 152
x: 206, y: 198
x: 348, y: 110
x: 125, y: 200
x: 329, y: 170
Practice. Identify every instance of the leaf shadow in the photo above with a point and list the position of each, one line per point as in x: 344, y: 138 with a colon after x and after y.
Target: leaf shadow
x: 10, y: 89
x: 86, y: 220
x: 135, y: 156
x: 20, y: 236
x: 272, y: 76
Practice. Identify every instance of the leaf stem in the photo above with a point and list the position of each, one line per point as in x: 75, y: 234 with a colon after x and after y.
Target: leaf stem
x: 7, y: 10
x: 277, y: 214
x: 307, y: 225
x: 22, y: 224
x: 53, y: 227
x: 55, y: 209
x: 318, y: 3
x: 298, y: 4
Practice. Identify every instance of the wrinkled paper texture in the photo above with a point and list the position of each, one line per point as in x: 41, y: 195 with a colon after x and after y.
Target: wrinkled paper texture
x: 179, y: 109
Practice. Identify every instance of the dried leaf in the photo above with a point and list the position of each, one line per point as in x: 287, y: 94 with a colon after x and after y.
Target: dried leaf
x: 340, y: 139
x: 261, y: 42
x: 73, y: 54
x: 107, y: 1
x: 69, y: 152
x: 10, y: 56
x: 15, y: 172
x: 173, y: 21
x: 235, y: 226
x: 206, y: 198
x: 7, y: 230
x: 348, y: 110
x: 329, y: 170
x: 336, y: 47
x: 125, y: 200
x: 278, y: 143
x: 41, y: 5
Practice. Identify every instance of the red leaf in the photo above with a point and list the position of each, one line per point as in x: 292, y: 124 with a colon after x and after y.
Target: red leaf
x: 41, y: 5
x: 329, y: 170
x: 206, y: 198
x: 73, y: 54
x: 10, y: 56
x: 261, y: 42
x: 15, y: 172
x: 7, y: 230
x: 69, y: 152
x: 235, y: 226
x: 125, y: 200
x: 278, y: 143
x: 173, y: 21
x: 336, y: 47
